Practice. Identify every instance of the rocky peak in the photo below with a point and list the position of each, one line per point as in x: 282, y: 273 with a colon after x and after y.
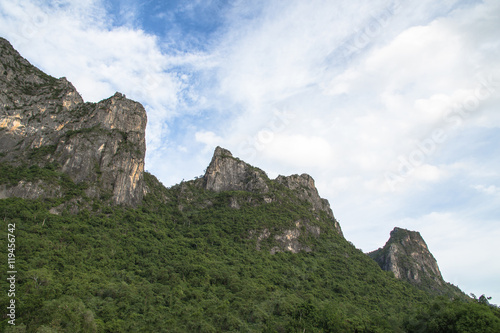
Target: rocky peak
x: 227, y: 173
x: 306, y: 190
x: 43, y: 120
x: 406, y: 255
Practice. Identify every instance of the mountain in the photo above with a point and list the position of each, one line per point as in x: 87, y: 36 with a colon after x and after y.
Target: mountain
x: 227, y: 173
x: 95, y: 244
x: 406, y: 255
x: 45, y: 123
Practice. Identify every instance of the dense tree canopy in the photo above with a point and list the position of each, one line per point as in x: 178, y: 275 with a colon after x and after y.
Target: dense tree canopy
x: 186, y: 262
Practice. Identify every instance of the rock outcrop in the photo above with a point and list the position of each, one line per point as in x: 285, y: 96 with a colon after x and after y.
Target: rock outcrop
x: 406, y: 255
x: 306, y: 190
x: 289, y: 239
x: 45, y: 121
x: 227, y: 173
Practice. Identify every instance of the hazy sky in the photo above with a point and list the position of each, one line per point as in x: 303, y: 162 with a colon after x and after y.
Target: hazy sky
x: 391, y: 106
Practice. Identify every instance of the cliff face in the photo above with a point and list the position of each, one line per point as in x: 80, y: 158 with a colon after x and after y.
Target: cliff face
x: 406, y: 255
x: 306, y: 190
x: 45, y: 121
x: 227, y: 173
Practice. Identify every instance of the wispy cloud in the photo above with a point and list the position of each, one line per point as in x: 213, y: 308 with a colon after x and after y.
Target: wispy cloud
x: 490, y: 190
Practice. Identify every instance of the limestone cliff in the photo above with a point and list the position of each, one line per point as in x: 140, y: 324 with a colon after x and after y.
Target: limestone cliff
x: 406, y: 255
x: 306, y: 190
x: 44, y: 121
x: 228, y: 173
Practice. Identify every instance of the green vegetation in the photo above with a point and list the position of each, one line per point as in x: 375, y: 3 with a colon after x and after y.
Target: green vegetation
x: 86, y: 130
x: 38, y: 154
x: 52, y: 180
x: 443, y: 315
x: 184, y: 261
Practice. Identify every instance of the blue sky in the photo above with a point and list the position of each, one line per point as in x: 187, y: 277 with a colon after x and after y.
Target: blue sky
x: 391, y: 106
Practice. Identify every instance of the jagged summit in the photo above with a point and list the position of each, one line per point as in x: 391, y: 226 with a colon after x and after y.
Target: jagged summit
x: 230, y: 251
x: 220, y: 152
x: 406, y: 255
x: 307, y: 190
x: 228, y: 173
x: 44, y: 122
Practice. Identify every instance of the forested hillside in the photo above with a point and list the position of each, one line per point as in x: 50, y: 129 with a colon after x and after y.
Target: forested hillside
x: 159, y: 269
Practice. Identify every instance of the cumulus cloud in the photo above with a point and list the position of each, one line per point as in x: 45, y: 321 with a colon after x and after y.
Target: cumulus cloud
x: 490, y: 190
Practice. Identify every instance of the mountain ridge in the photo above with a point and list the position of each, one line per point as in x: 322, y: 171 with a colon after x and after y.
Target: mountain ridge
x: 103, y: 246
x: 227, y: 173
x: 101, y: 146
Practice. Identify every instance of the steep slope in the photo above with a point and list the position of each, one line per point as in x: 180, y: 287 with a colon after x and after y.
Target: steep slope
x: 187, y: 259
x: 305, y: 189
x: 300, y: 214
x: 45, y: 123
x: 406, y: 255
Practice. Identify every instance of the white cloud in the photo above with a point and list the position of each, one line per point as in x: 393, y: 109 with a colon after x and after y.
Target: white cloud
x: 490, y: 190
x: 385, y: 100
x: 77, y: 40
x: 303, y: 152
x: 427, y: 173
x: 210, y: 139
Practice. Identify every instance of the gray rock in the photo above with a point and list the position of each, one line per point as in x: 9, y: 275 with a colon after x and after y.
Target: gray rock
x: 305, y: 189
x: 406, y: 255
x: 226, y: 173
x: 44, y: 120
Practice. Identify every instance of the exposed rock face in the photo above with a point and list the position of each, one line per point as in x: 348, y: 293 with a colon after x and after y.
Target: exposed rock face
x: 29, y: 190
x: 288, y: 239
x: 305, y: 188
x: 226, y: 173
x: 44, y: 121
x: 408, y: 257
